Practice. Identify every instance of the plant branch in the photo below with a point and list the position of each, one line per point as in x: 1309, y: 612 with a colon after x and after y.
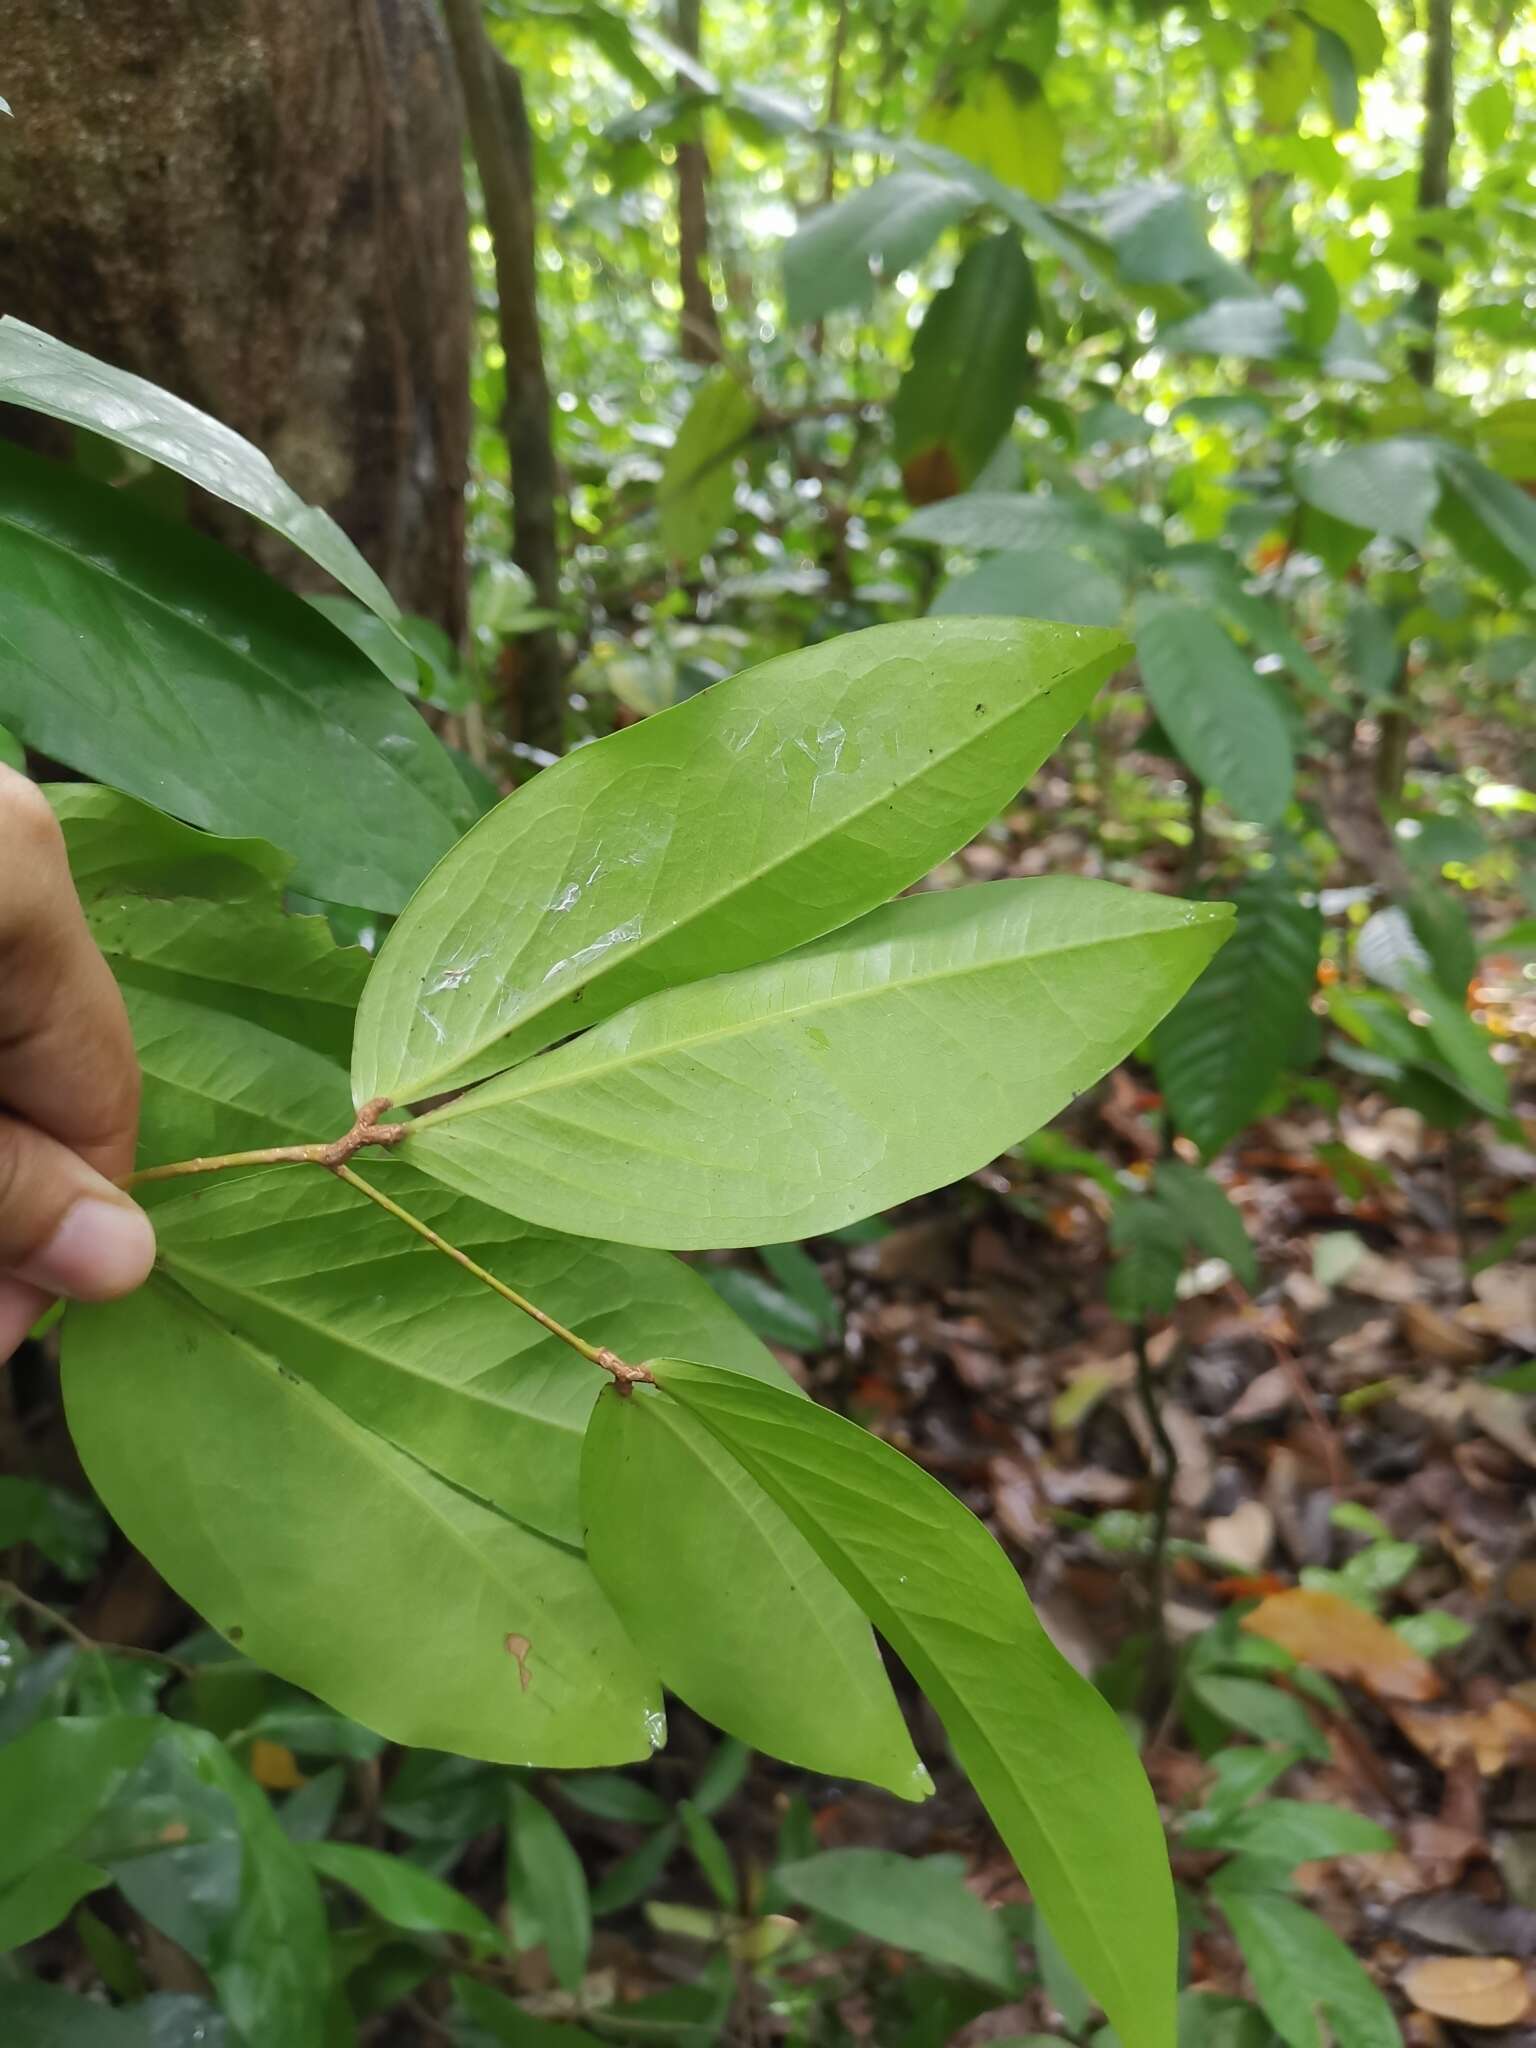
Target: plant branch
x: 51, y: 1616
x: 596, y: 1354
x: 367, y: 1130
x: 1166, y: 1463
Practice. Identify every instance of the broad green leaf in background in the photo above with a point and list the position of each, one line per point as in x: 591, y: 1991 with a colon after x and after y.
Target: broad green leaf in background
x: 1045, y: 583
x: 729, y: 1601
x: 1043, y: 1749
x: 969, y: 366
x: 919, y: 1903
x: 790, y: 1099
x: 1390, y: 486
x: 1259, y: 1709
x: 35, y: 1904
x: 12, y: 752
x: 164, y: 900
x: 337, y: 1561
x: 400, y: 1893
x: 998, y: 118
x: 1284, y: 74
x: 46, y: 375
x: 153, y: 660
x: 1209, y: 1217
x: 53, y: 1779
x: 411, y: 1346
x: 494, y: 2017
x: 214, y: 1082
x: 1148, y: 1241
x: 698, y: 478
x: 749, y: 819
x: 547, y: 1887
x: 1313, y: 1991
x: 1489, y: 519
x: 1221, y: 1050
x: 1293, y: 1831
x: 892, y: 223
x: 1014, y: 520
x: 1227, y: 728
x: 37, y: 2015
x: 1357, y: 26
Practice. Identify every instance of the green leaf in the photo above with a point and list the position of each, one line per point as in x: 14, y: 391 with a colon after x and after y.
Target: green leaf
x: 46, y: 375
x: 1227, y: 728
x: 151, y: 659
x: 710, y: 1853
x: 921, y: 1904
x: 1148, y: 1241
x: 35, y: 2015
x: 495, y: 2017
x: 1045, y: 1752
x: 791, y: 1099
x: 12, y: 753
x: 1312, y: 1990
x: 1018, y: 521
x: 410, y: 1346
x: 1356, y: 25
x: 1045, y: 583
x: 634, y: 1876
x: 55, y: 1777
x: 1259, y: 1709
x: 1489, y: 520
x: 750, y: 818
x: 698, y: 478
x: 1390, y: 486
x: 399, y: 1892
x: 1489, y: 112
x: 1209, y: 1217
x: 1284, y: 73
x: 1293, y: 1831
x: 1222, y: 1049
x: 611, y: 1796
x: 547, y: 1888
x: 828, y: 261
x: 334, y: 1559
x: 770, y: 1648
x: 164, y: 899
x: 218, y: 1083
x: 999, y: 119
x: 767, y: 1309
x: 35, y: 1904
x: 969, y: 366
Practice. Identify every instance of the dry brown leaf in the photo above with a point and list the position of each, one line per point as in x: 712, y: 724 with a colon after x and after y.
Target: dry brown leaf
x: 1500, y: 1414
x: 1244, y: 1537
x: 1438, y: 1337
x: 1333, y: 1635
x: 274, y: 1766
x: 1475, y: 1991
x: 1506, y: 1303
x: 1383, y: 1279
x: 1268, y: 1393
x: 1494, y: 1736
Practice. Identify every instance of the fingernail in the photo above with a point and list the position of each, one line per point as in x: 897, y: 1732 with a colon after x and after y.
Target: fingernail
x: 100, y: 1250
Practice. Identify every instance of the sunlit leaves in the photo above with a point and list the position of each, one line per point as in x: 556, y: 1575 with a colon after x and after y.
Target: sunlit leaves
x: 751, y: 818
x: 1390, y: 486
x: 998, y: 118
x: 698, y: 479
x: 886, y: 1059
x: 1042, y: 1748
x: 970, y: 362
x: 828, y: 262
x: 1226, y: 726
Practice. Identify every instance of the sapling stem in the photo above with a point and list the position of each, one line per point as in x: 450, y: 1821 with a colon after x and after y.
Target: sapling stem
x: 334, y: 1157
x: 1165, y: 1460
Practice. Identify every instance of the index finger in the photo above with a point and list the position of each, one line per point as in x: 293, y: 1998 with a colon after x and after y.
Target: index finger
x: 67, y: 1062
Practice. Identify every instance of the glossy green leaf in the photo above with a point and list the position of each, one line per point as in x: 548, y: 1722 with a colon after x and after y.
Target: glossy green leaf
x: 919, y: 1903
x: 1390, y: 486
x: 1313, y: 1991
x: 829, y: 260
x: 1045, y: 1751
x: 337, y: 1561
x: 214, y: 1082
x: 970, y: 363
x: 1221, y: 1050
x: 547, y: 1888
x: 730, y: 1602
x: 749, y: 819
x: 1045, y: 583
x: 35, y: 1904
x: 1293, y: 1831
x: 153, y: 660
x: 410, y: 1346
x: 53, y: 1779
x: 46, y: 375
x: 163, y: 899
x: 399, y: 1892
x: 788, y: 1100
x: 1227, y: 728
x: 698, y: 479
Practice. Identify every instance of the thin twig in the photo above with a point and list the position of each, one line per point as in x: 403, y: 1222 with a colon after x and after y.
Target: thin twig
x: 367, y: 1130
x: 1166, y: 1462
x: 41, y: 1611
x: 597, y: 1354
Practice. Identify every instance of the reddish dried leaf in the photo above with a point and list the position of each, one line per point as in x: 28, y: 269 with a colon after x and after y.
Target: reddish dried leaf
x: 1333, y: 1635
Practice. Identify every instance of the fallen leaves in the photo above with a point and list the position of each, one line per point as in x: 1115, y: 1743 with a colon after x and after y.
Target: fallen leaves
x: 1331, y: 1634
x: 1494, y: 1736
x: 1475, y: 1991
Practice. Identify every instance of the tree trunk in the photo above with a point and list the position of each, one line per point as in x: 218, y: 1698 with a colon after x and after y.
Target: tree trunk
x: 701, y: 325
x: 259, y: 204
x: 534, y: 670
x: 1434, y: 175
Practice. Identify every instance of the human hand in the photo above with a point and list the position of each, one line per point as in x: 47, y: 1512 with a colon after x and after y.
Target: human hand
x: 69, y: 1086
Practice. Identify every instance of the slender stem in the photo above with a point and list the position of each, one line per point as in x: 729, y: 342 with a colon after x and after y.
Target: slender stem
x: 597, y: 1354
x: 367, y: 1130
x: 1166, y: 1461
x: 39, y: 1609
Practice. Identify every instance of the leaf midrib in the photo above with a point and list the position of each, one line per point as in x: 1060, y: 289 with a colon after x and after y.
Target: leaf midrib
x: 474, y: 1103
x: 843, y: 824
